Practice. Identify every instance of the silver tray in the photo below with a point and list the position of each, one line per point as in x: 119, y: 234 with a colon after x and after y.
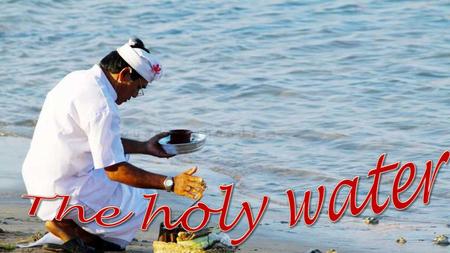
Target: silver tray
x: 197, y: 142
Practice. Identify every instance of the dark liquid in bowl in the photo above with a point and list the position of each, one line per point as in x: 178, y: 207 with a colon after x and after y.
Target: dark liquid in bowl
x: 179, y: 136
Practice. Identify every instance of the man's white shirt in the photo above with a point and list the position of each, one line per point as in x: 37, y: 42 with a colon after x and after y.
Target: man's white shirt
x: 76, y: 136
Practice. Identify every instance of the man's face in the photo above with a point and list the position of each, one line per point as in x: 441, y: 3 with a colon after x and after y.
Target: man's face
x: 128, y: 88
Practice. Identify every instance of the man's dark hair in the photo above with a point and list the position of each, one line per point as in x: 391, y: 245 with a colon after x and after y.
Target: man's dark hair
x: 114, y: 63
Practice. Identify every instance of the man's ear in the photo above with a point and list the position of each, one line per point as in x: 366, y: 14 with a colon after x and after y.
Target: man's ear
x: 124, y: 75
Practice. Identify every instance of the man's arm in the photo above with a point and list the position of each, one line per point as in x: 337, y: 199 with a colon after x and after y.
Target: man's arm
x: 134, y: 147
x: 150, y: 147
x: 131, y: 175
x: 185, y: 184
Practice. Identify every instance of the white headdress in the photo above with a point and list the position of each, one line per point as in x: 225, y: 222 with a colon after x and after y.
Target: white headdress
x: 144, y: 63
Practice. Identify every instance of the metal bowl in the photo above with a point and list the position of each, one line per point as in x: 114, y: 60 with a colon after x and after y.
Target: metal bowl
x: 196, y: 143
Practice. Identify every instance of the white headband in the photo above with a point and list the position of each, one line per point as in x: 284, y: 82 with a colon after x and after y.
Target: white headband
x: 144, y: 63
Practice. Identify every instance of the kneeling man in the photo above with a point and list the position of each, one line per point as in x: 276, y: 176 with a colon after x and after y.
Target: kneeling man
x: 77, y: 150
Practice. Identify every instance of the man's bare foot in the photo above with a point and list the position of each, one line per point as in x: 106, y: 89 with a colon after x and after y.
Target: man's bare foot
x: 75, y: 245
x: 68, y: 230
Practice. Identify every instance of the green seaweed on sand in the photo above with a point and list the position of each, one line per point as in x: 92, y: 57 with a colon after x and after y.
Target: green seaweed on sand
x: 7, y: 247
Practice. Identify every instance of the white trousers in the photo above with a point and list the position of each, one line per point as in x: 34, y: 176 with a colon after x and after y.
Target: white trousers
x: 128, y: 199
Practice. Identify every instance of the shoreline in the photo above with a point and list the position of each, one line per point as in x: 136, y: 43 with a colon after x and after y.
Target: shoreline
x: 271, y: 235
x: 17, y: 226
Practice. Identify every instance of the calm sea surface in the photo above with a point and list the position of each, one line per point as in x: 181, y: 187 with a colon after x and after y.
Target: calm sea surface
x: 292, y: 94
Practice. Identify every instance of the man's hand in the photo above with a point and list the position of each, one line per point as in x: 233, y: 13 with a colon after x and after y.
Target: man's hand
x: 154, y: 148
x: 185, y: 184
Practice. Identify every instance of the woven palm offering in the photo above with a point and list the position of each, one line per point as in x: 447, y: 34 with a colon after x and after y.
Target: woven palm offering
x: 178, y: 240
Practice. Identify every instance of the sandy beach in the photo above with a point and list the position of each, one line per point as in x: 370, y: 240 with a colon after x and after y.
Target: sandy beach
x: 17, y: 227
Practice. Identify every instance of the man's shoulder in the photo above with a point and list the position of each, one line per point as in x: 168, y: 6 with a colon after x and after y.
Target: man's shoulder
x: 73, y: 83
x: 83, y: 89
x: 81, y: 80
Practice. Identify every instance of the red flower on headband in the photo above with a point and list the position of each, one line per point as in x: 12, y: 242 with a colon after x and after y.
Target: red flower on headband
x: 156, y: 69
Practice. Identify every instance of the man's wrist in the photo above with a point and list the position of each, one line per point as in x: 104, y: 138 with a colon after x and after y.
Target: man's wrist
x: 169, y: 184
